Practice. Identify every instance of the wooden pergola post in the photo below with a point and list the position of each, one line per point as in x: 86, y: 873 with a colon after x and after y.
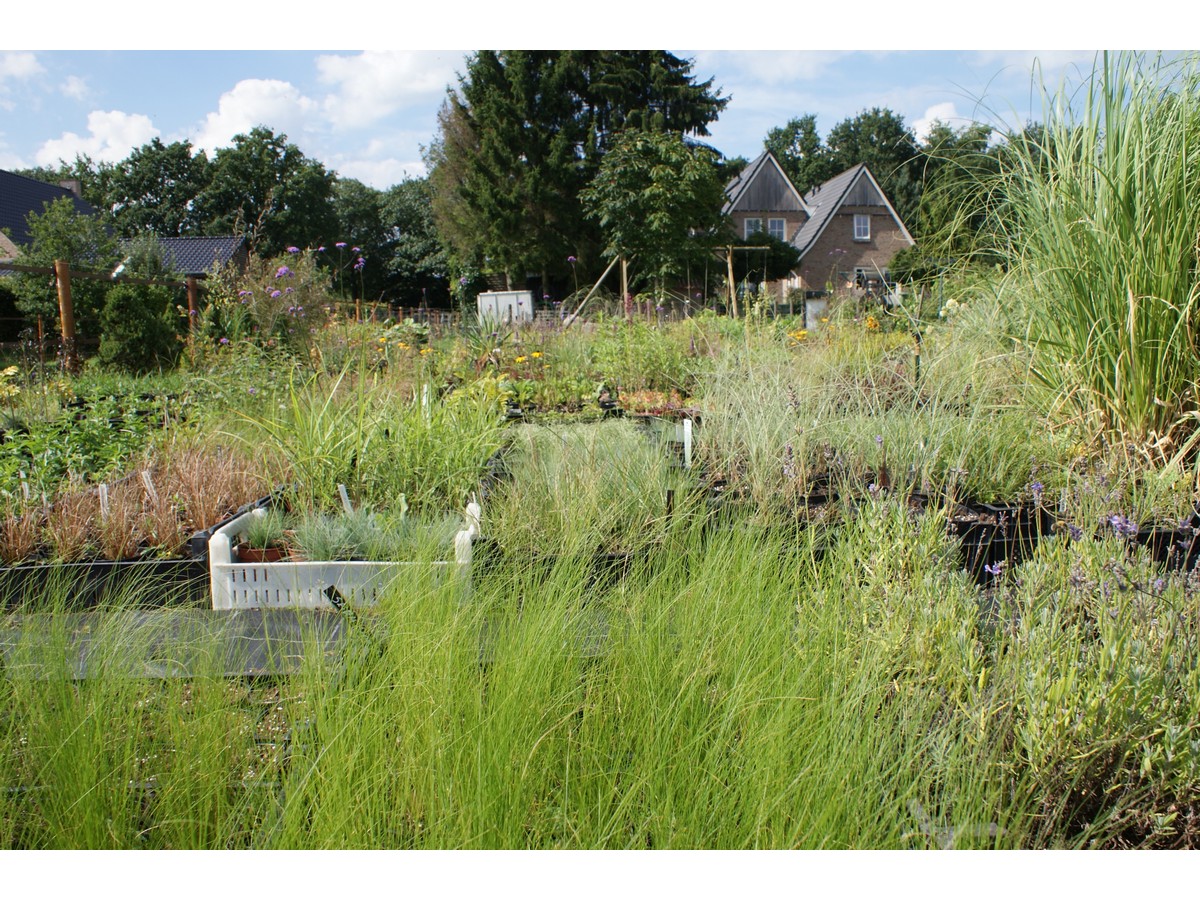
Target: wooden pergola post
x: 66, y: 312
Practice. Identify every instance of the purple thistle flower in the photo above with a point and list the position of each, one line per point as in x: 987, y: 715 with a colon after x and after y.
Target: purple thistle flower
x: 571, y: 260
x: 293, y: 249
x: 341, y: 245
x: 321, y: 249
x: 275, y: 294
x: 356, y: 249
x: 289, y: 290
x: 282, y: 272
x: 252, y: 390
x: 463, y: 280
x: 360, y: 263
x: 223, y: 341
x: 245, y: 293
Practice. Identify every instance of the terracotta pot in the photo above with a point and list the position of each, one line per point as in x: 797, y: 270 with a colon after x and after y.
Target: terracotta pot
x: 248, y: 554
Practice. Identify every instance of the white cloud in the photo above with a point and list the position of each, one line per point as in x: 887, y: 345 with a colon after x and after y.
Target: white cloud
x: 372, y: 85
x: 765, y: 67
x: 384, y: 161
x: 19, y: 65
x: 112, y: 136
x: 75, y: 87
x: 8, y: 159
x: 279, y: 105
x: 939, y: 112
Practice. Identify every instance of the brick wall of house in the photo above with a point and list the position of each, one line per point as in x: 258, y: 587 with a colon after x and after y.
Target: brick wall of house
x: 793, y: 219
x: 823, y: 260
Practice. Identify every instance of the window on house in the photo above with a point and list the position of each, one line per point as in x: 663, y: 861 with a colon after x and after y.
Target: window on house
x: 862, y: 227
x: 753, y: 225
x: 776, y: 228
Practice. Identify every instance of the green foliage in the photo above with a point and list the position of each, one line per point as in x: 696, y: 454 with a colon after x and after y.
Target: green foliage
x: 155, y: 189
x: 268, y: 190
x: 656, y: 200
x: 62, y: 233
x: 880, y: 139
x: 1100, y: 224
x: 798, y: 148
x: 526, y: 131
x: 139, y: 329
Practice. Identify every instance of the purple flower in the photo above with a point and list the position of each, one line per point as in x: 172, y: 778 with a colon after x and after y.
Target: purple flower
x: 571, y: 260
x: 360, y: 263
x: 275, y: 294
x: 245, y: 293
x: 289, y: 290
x: 282, y: 272
x: 1075, y: 532
x: 223, y: 341
x: 341, y: 245
x: 1123, y: 526
x: 356, y: 249
x: 463, y: 280
x: 321, y: 249
x: 996, y: 569
x: 879, y: 440
x: 192, y: 312
x: 293, y: 249
x: 252, y: 390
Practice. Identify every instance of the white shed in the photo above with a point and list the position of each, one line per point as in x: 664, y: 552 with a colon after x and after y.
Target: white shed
x: 506, y: 306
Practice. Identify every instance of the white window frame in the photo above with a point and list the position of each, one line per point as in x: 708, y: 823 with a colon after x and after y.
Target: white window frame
x: 781, y: 224
x: 751, y: 226
x: 862, y: 227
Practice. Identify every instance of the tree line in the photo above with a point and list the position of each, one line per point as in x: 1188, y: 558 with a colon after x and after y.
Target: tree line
x: 546, y: 164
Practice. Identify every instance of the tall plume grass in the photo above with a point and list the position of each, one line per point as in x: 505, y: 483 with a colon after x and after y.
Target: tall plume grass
x: 1102, y: 223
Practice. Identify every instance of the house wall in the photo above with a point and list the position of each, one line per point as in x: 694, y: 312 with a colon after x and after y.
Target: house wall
x: 792, y: 221
x: 835, y: 254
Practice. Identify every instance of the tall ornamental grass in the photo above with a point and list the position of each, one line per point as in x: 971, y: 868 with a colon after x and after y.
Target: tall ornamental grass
x: 1102, y: 222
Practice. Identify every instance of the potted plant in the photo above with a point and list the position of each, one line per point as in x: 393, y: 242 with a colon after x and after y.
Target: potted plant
x: 265, y: 538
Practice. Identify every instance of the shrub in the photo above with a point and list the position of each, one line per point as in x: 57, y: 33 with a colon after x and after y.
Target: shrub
x: 137, y: 329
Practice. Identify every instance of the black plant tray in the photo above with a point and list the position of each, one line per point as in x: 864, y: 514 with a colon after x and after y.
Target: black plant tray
x: 157, y: 582
x: 995, y: 537
x: 83, y: 585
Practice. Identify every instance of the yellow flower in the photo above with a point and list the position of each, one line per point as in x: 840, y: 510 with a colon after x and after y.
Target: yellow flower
x: 521, y: 359
x: 536, y: 354
x: 402, y: 345
x: 425, y: 350
x: 872, y: 323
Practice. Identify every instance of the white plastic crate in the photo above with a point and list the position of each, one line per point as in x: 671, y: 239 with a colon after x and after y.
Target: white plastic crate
x: 309, y: 585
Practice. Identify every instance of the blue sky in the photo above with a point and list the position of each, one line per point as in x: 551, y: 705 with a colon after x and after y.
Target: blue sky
x: 367, y: 113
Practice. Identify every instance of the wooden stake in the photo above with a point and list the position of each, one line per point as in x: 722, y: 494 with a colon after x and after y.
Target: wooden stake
x: 193, y: 298
x: 732, y: 287
x: 62, y: 277
x: 626, y: 303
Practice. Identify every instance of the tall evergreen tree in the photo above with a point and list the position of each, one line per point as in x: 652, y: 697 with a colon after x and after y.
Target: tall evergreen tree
x: 524, y: 133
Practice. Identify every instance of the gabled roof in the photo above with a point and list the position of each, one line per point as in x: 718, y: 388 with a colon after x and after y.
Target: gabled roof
x: 826, y: 199
x: 20, y: 196
x: 198, y: 255
x: 740, y: 184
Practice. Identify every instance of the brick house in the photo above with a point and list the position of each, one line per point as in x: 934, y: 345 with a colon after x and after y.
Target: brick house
x: 845, y: 229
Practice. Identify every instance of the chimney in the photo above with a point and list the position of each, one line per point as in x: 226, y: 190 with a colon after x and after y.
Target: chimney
x: 74, y: 185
